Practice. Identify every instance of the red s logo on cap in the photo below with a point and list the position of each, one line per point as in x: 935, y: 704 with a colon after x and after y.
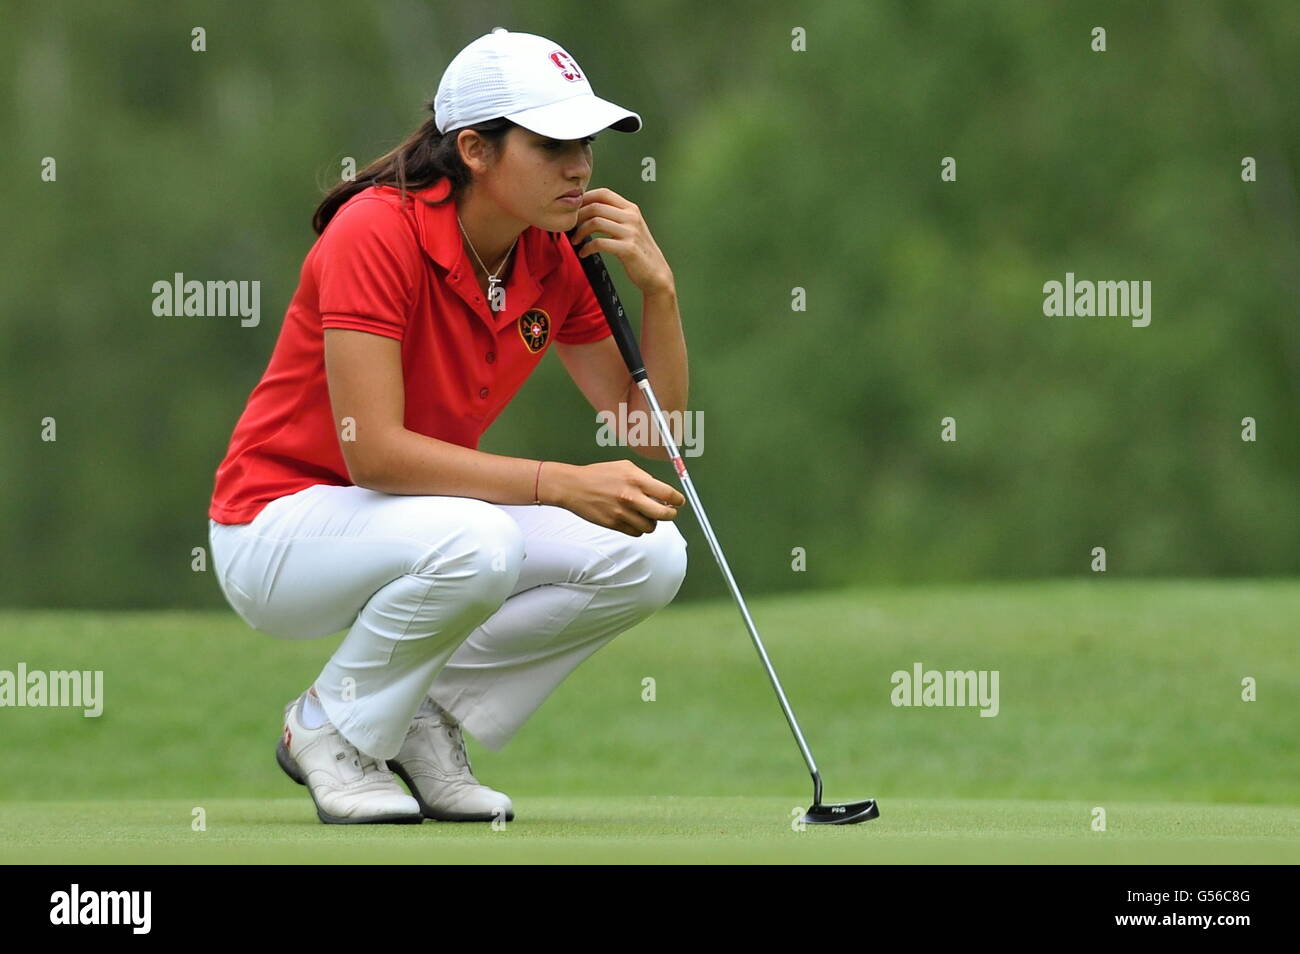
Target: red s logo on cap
x: 564, y: 63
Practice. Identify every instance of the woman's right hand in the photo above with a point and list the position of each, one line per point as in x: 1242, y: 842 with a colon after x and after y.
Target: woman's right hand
x: 616, y: 494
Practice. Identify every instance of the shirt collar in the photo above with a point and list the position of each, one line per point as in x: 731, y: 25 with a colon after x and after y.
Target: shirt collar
x: 441, y: 236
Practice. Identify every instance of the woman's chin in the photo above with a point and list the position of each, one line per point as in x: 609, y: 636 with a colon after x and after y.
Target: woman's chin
x: 560, y: 220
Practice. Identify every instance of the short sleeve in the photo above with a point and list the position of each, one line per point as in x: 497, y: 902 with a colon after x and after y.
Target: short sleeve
x: 367, y: 264
x: 585, y: 321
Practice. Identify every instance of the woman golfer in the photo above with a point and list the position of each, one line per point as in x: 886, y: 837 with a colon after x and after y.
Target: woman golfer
x: 352, y: 496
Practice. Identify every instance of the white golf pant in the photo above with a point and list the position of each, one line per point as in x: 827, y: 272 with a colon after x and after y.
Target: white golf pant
x: 484, y: 607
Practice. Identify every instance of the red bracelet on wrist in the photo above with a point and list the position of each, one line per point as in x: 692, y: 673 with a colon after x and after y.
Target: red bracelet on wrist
x: 536, y: 481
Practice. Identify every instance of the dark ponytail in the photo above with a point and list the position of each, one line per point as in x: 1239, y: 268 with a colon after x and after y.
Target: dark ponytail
x: 425, y: 157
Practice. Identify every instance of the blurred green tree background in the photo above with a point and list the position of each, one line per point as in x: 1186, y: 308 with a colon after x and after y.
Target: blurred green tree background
x: 776, y: 169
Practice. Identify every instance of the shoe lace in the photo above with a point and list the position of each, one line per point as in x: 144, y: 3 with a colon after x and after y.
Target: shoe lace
x: 367, y: 763
x: 458, y: 741
x: 370, y: 763
x: 439, y: 720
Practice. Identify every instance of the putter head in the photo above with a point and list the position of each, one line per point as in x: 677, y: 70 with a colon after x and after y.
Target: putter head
x: 849, y: 814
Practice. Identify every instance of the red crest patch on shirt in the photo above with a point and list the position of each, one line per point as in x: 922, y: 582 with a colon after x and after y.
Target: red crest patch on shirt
x: 534, y: 328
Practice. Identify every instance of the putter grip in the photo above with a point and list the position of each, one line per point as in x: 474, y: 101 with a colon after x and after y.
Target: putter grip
x: 603, y: 287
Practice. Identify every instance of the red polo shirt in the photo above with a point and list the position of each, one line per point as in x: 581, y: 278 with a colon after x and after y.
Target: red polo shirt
x: 400, y: 271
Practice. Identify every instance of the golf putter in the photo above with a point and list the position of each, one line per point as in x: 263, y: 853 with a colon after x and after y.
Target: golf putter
x: 607, y: 295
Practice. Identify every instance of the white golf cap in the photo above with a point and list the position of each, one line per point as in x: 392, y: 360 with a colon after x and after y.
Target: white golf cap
x: 528, y: 79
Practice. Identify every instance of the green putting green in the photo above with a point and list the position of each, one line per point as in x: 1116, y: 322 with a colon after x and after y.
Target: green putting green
x: 1123, y: 696
x: 654, y: 829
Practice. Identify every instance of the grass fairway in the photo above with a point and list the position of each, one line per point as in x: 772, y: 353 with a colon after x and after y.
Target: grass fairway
x: 656, y: 829
x: 1125, y: 696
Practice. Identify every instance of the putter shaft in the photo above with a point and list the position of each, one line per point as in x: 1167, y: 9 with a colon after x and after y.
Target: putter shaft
x: 643, y: 382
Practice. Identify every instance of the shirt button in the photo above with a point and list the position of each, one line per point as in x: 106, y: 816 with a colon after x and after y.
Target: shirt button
x: 491, y: 356
x: 482, y: 392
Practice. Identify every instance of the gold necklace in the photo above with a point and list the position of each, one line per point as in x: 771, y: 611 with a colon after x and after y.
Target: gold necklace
x: 493, y: 280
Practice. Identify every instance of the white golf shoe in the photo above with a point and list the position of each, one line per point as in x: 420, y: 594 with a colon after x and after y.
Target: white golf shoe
x: 347, y: 786
x: 435, y: 767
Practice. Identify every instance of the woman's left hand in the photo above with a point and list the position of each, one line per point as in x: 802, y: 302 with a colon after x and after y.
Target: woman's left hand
x: 626, y: 235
